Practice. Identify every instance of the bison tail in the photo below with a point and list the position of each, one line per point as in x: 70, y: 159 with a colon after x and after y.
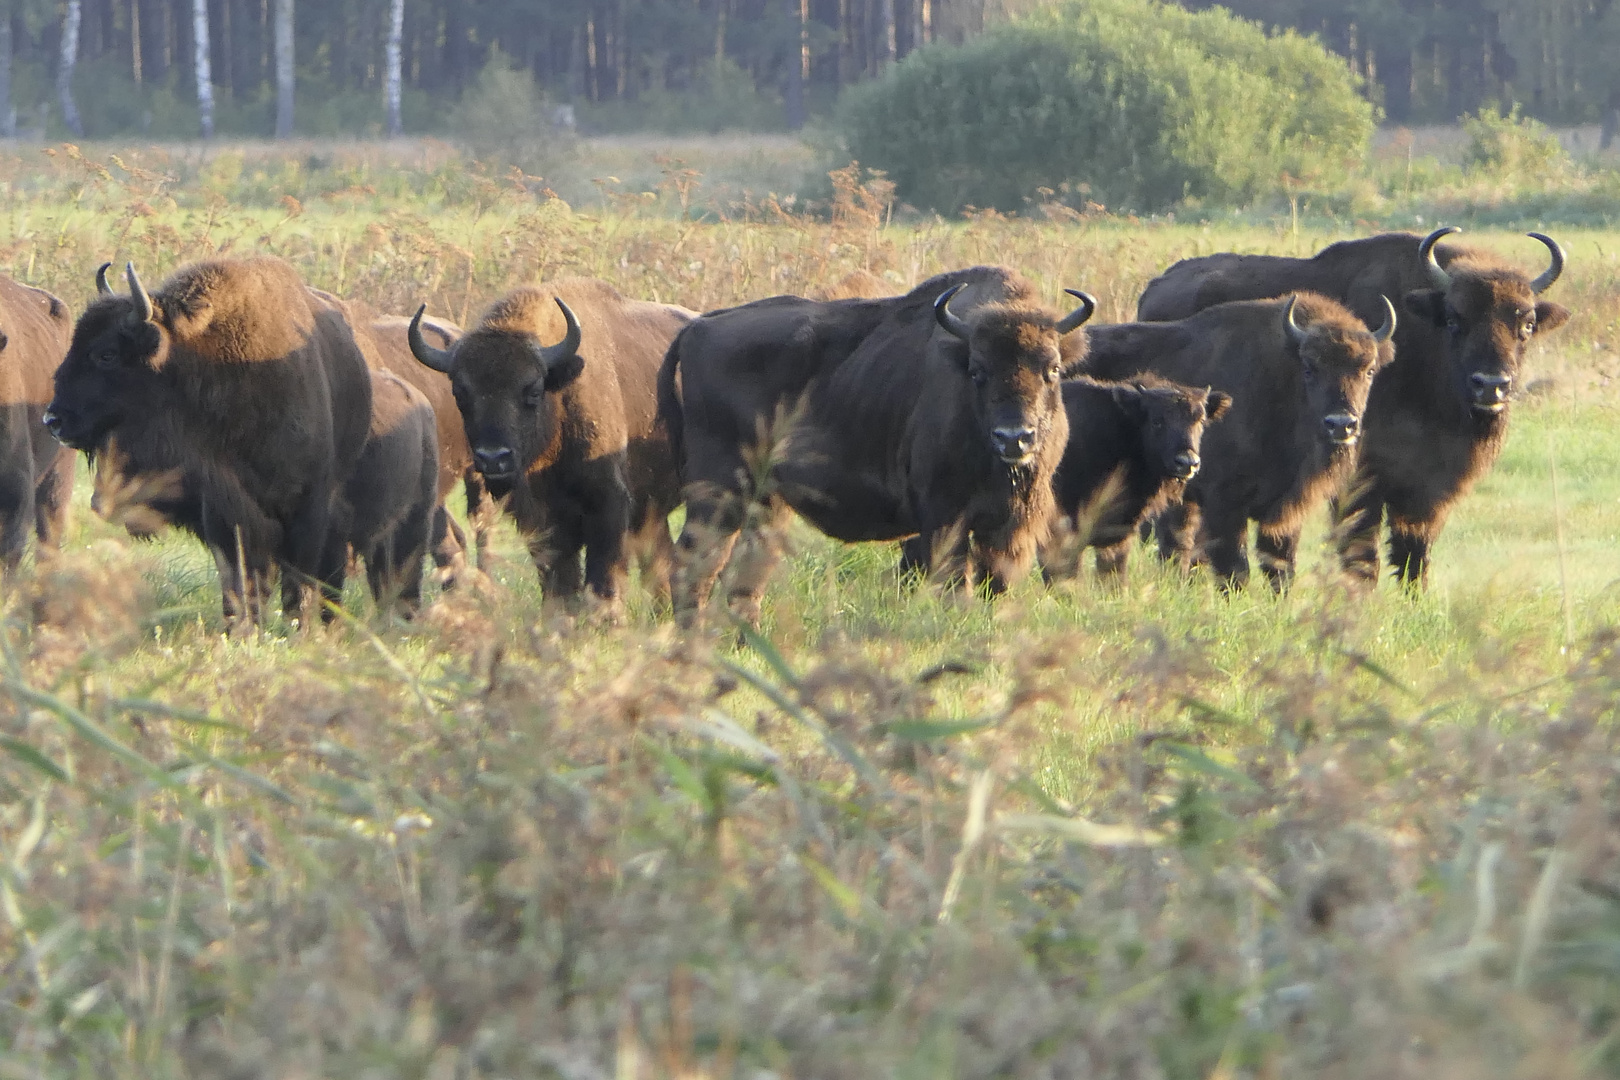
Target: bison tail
x: 669, y: 403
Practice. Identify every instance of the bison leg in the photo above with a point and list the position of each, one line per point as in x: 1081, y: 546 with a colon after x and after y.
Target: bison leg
x: 51, y: 499
x: 481, y: 513
x: 1176, y: 529
x: 1409, y: 550
x: 16, y: 517
x: 1225, y: 548
x: 655, y: 549
x: 916, y: 556
x: 607, y: 558
x: 1278, y: 553
x: 714, y: 519
x: 449, y: 544
x: 1111, y: 561
x: 1357, y: 517
x: 753, y: 559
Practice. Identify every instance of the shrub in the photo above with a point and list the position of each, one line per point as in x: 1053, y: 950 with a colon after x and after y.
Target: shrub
x: 1510, y: 146
x: 1129, y: 102
x: 722, y: 97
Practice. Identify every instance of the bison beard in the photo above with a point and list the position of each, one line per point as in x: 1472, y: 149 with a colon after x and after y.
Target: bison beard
x: 935, y: 415
x: 1437, y: 416
x: 255, y: 389
x: 36, y: 471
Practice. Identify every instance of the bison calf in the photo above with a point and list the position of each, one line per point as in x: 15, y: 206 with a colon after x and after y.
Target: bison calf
x: 36, y: 471
x: 1298, y: 371
x: 557, y: 389
x: 1133, y: 447
x: 936, y: 414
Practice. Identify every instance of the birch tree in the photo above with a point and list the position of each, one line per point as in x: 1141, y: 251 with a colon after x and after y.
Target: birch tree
x: 284, y: 69
x: 203, y: 69
x: 394, y: 77
x: 64, y: 68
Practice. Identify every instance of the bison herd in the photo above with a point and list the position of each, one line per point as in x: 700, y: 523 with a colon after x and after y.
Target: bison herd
x: 296, y: 432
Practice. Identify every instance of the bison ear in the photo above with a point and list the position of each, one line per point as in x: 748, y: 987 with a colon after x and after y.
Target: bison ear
x: 1129, y: 400
x: 1550, y: 316
x: 564, y: 371
x: 4, y: 340
x: 1215, y: 405
x: 1429, y: 304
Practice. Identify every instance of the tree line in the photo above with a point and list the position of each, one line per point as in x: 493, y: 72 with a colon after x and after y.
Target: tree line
x: 104, y: 67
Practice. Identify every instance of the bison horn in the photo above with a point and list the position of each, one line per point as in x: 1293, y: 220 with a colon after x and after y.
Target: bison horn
x: 1554, y: 269
x: 102, y: 288
x: 569, y: 345
x: 1296, y: 333
x: 137, y: 292
x: 953, y: 324
x: 1077, y: 318
x: 1385, y: 332
x: 1437, y: 275
x: 437, y: 359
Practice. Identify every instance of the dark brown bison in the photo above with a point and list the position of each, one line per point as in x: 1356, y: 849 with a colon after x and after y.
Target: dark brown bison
x: 557, y: 389
x: 234, y: 369
x: 1133, y: 446
x: 1437, y: 416
x: 450, y: 548
x: 385, y: 514
x: 36, y: 471
x: 1298, y: 371
x: 936, y: 414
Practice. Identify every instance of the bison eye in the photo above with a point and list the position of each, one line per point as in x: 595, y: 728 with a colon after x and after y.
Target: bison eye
x: 1528, y: 328
x: 533, y: 394
x: 106, y: 359
x: 978, y: 376
x: 1453, y: 324
x: 1053, y: 373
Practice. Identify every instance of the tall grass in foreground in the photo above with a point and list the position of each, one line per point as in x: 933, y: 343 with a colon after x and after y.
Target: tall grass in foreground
x: 1081, y: 832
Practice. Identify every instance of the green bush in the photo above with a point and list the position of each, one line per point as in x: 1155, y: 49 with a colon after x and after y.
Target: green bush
x: 1131, y: 103
x: 1508, y: 146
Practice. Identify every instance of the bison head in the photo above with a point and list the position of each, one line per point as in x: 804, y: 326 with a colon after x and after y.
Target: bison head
x: 1015, y: 360
x: 112, y: 370
x: 1171, y: 420
x: 1338, y: 358
x: 1487, y: 313
x: 506, y: 384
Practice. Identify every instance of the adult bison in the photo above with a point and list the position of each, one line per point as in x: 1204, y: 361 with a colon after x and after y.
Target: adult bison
x: 36, y: 471
x: 1438, y: 415
x: 391, y: 334
x: 557, y: 389
x: 256, y: 386
x: 1133, y: 446
x: 1298, y: 371
x: 937, y: 414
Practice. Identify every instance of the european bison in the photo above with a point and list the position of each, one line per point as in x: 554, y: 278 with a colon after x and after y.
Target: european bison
x: 936, y: 414
x: 557, y: 391
x: 392, y: 336
x: 256, y: 386
x: 1298, y: 371
x: 36, y: 471
x: 1437, y: 416
x: 1133, y: 446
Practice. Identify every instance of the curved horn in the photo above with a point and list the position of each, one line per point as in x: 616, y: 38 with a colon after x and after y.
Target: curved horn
x: 1554, y: 269
x: 102, y: 288
x: 1077, y: 318
x: 1296, y: 333
x: 569, y: 345
x: 137, y: 291
x: 1385, y: 332
x: 437, y: 359
x: 953, y: 324
x: 1438, y: 276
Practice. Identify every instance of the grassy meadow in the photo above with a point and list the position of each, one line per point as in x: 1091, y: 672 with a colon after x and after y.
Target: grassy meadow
x: 1079, y: 832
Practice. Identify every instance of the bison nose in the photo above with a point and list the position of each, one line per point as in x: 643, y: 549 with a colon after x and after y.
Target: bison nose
x: 1490, y: 391
x: 1014, y: 444
x: 53, y: 422
x: 1342, y: 428
x: 495, y: 461
x: 1187, y: 464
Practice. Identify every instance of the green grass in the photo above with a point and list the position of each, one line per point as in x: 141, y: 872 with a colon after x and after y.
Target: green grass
x: 1079, y: 831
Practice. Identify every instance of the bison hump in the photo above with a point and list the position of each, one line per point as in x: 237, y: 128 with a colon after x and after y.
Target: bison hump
x: 238, y: 310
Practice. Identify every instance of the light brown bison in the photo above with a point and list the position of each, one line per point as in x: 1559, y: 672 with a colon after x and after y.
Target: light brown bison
x: 557, y: 389
x: 256, y: 387
x: 36, y: 471
x: 937, y: 414
x: 1133, y: 447
x: 1298, y: 371
x: 1438, y: 415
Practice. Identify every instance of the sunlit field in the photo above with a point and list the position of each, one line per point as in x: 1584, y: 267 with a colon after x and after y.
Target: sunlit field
x: 1077, y: 832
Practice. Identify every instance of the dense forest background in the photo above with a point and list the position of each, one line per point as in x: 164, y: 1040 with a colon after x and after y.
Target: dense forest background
x: 106, y: 67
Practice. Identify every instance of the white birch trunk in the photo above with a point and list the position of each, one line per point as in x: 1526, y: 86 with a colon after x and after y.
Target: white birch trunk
x: 204, y: 69
x: 284, y: 69
x: 64, y: 68
x: 392, y: 82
